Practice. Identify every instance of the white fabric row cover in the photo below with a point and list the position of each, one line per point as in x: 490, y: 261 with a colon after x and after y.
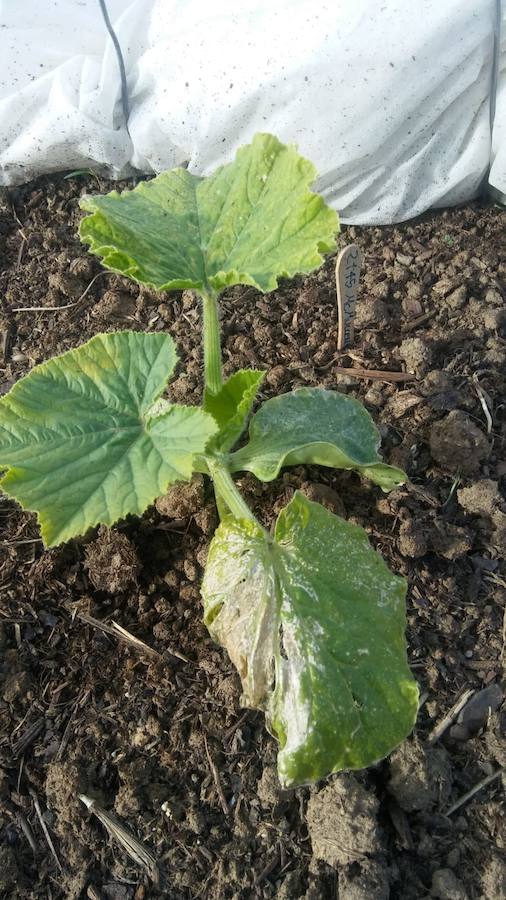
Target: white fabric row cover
x: 391, y: 101
x: 497, y: 177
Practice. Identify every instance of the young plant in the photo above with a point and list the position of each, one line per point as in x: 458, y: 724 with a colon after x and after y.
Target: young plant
x: 310, y: 615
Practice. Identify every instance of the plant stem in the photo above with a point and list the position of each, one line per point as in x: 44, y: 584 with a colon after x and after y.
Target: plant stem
x: 212, y: 346
x: 226, y: 489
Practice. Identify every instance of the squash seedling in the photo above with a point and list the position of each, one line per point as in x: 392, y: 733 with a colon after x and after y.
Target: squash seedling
x: 310, y: 615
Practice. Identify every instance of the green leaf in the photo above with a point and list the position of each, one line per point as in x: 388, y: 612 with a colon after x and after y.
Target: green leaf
x: 251, y: 222
x: 314, y: 622
x: 314, y: 426
x: 86, y: 438
x: 231, y: 407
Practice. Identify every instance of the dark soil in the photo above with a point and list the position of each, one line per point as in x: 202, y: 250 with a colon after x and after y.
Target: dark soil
x: 159, y: 738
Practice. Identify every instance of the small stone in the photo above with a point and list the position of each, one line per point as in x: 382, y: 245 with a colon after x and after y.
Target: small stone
x: 146, y: 731
x: 276, y: 377
x: 498, y: 538
x: 411, y: 307
x: 450, y: 541
x: 412, y: 539
x: 494, y: 319
x: 116, y: 305
x: 443, y: 286
x: 345, y: 380
x: 495, y: 354
x: 414, y: 290
x: 165, y: 312
x: 446, y: 886
x: 371, y: 313
x: 195, y: 820
x: 477, y: 711
x: 457, y: 443
x: 457, y: 298
x: 493, y: 297
x: 374, y: 397
x: 436, y: 382
x: 401, y: 403
x: 207, y: 519
x: 16, y: 686
x: 64, y: 783
x: 399, y: 274
x: 417, y: 354
x: 380, y: 290
x: 82, y: 267
x: 190, y: 570
x: 453, y: 858
x: 481, y: 498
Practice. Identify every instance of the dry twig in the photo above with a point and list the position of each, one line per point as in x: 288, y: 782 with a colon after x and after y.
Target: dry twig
x: 450, y: 717
x: 217, y: 781
x: 375, y: 374
x: 474, y: 790
x: 28, y: 736
x: 413, y: 325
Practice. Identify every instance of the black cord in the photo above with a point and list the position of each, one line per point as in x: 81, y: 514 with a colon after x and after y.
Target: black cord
x: 121, y: 63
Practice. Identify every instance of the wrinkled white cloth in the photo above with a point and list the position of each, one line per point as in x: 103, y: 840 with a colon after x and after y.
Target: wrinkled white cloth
x: 497, y: 176
x: 390, y: 101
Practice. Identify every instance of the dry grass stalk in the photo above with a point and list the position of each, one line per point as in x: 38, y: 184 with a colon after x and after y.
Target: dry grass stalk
x: 45, y: 829
x: 120, y: 633
x: 485, y: 402
x: 135, y: 850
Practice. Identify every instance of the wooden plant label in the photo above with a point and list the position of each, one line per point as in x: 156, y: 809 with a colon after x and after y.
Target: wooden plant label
x: 348, y: 265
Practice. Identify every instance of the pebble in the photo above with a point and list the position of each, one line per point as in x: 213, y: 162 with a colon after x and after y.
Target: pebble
x: 457, y: 298
x: 404, y: 260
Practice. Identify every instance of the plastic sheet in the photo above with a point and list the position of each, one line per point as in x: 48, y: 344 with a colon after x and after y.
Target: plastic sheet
x: 390, y: 101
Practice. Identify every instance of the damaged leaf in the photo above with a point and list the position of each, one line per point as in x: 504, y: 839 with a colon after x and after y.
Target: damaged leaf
x: 314, y: 622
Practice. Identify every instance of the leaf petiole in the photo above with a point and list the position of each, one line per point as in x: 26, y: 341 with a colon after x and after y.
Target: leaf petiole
x: 212, y: 345
x: 227, y: 491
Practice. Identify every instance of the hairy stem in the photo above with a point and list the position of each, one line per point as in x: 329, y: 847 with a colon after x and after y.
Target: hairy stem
x: 227, y: 494
x: 227, y: 491
x: 212, y: 345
